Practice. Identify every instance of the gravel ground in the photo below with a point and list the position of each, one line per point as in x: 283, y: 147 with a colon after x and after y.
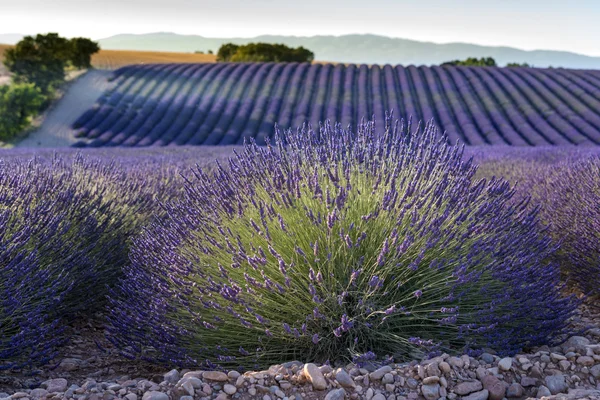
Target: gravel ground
x: 90, y: 369
x: 55, y: 129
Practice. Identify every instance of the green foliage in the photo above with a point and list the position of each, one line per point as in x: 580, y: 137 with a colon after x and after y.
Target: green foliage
x: 263, y: 52
x: 210, y: 52
x: 226, y: 51
x: 42, y: 59
x: 81, y: 50
x: 515, y: 64
x: 18, y: 102
x: 198, y: 52
x: 472, y: 62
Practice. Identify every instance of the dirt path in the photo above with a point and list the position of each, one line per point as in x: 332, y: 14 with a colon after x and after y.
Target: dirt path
x: 55, y: 130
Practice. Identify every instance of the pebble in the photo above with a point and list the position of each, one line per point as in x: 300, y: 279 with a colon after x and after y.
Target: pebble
x: 216, y: 376
x: 344, y: 379
x: 336, y: 394
x: 379, y: 373
x: 505, y: 364
x: 155, y: 395
x: 172, y: 376
x: 487, y: 358
x: 131, y: 396
x: 233, y: 374
x: 556, y: 383
x: 56, y: 385
x: 229, y: 389
x: 578, y: 343
x: 483, y: 395
x: 433, y: 369
x: 585, y: 360
x: 315, y: 376
x: 514, y: 390
x: 431, y: 392
x: 494, y: 386
x: 595, y: 371
x: 445, y: 367
x: 465, y: 388
x: 456, y: 362
x: 38, y: 393
x: 543, y: 391
x: 430, y: 380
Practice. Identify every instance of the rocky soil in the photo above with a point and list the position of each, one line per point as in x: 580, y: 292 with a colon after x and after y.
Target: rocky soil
x: 90, y: 369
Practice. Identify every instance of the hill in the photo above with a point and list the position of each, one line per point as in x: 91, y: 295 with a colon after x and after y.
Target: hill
x: 369, y: 49
x: 223, y: 103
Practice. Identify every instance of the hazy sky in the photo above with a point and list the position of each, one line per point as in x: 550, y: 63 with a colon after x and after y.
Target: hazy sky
x: 571, y: 25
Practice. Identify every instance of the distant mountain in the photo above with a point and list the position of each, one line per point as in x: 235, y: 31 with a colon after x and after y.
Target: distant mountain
x: 369, y: 49
x: 10, y: 38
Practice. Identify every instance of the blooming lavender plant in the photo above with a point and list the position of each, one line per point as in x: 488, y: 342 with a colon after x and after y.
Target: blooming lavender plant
x: 65, y: 226
x: 332, y: 244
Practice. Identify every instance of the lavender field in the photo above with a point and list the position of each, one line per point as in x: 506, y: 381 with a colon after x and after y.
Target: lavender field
x: 222, y: 104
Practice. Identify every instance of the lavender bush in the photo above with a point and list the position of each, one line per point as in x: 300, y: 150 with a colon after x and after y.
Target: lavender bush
x: 65, y: 226
x: 334, y: 244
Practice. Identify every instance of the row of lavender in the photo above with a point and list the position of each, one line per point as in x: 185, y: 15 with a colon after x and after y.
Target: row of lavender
x: 179, y: 104
x: 337, y: 245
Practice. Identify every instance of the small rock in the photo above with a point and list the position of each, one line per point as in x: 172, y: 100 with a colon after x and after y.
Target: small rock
x: 514, y: 390
x: 487, y: 358
x: 433, y: 369
x: 188, y: 387
x: 456, y: 362
x: 564, y: 365
x: 543, y: 392
x: 336, y: 394
x: 216, y: 376
x: 505, y: 364
x: 131, y: 396
x: 222, y: 396
x: 557, y: 357
x: 19, y: 395
x: 387, y: 378
x: 379, y: 373
x: 378, y: 396
x: 483, y: 395
x: 370, y: 393
x: 56, y: 385
x: 315, y: 376
x: 412, y: 383
x: 390, y: 387
x: 445, y: 367
x: 172, y: 376
x: 585, y: 360
x: 325, y: 369
x: 342, y: 377
x: 595, y: 371
x: 527, y: 381
x: 494, y: 386
x: 556, y: 383
x: 431, y: 380
x: 155, y: 395
x: 229, y: 389
x: 578, y: 343
x: 233, y: 374
x: 186, y: 398
x: 465, y: 388
x: 38, y: 393
x: 431, y: 392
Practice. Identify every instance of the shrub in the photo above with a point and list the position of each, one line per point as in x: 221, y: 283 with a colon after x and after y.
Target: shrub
x: 572, y: 210
x: 64, y: 234
x: 18, y: 103
x: 263, y: 52
x: 334, y: 244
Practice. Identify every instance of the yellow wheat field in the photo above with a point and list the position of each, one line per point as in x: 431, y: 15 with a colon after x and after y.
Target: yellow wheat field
x: 112, y: 59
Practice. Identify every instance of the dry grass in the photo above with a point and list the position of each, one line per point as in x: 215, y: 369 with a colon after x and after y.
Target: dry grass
x: 113, y: 59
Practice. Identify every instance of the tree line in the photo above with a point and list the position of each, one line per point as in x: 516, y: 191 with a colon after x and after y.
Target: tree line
x: 38, y: 65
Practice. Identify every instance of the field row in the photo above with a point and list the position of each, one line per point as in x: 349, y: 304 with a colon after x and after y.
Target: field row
x: 216, y: 104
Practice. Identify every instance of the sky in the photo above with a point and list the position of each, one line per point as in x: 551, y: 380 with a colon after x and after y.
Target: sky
x: 570, y: 25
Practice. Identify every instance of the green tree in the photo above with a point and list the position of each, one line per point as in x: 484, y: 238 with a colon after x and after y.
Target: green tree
x: 472, y: 62
x: 18, y: 102
x: 81, y: 50
x: 514, y: 64
x: 40, y: 60
x: 263, y: 52
x: 226, y: 51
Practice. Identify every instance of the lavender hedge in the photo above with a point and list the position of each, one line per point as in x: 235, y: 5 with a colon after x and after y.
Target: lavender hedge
x: 335, y: 244
x: 65, y: 226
